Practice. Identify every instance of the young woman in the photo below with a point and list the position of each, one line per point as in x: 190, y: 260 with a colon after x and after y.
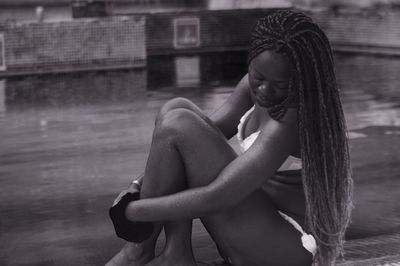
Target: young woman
x: 286, y: 199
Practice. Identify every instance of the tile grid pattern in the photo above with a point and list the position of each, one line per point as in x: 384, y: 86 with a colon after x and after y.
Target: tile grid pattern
x: 82, y: 43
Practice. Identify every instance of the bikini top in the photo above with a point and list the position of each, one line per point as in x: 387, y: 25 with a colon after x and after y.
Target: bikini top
x: 291, y: 163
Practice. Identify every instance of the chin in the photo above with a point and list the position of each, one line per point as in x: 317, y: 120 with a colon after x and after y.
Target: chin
x: 267, y: 103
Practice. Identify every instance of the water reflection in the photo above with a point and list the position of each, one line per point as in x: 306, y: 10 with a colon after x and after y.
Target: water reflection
x: 2, y: 96
x: 209, y: 69
x: 187, y: 71
x: 75, y: 89
x: 370, y: 90
x: 69, y: 143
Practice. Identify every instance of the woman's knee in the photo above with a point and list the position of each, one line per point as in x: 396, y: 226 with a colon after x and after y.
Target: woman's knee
x: 177, y: 122
x: 176, y: 103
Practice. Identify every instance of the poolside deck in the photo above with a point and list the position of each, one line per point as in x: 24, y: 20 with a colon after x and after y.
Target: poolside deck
x: 382, y: 250
x: 65, y: 157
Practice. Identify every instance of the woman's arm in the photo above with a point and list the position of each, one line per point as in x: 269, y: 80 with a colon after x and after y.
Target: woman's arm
x: 236, y: 181
x: 227, y: 116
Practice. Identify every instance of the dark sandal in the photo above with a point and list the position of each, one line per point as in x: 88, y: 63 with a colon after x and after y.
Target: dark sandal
x: 130, y: 231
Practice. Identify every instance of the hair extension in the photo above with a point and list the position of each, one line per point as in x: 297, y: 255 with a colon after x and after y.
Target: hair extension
x: 326, y: 171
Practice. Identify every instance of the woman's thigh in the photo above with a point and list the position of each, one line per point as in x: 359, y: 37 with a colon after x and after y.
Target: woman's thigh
x: 252, y: 232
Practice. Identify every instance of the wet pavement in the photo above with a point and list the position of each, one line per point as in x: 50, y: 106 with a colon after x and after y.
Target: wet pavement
x: 65, y: 155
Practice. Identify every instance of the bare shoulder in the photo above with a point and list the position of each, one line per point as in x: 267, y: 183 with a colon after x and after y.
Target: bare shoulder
x: 288, y: 121
x: 290, y: 118
x: 244, y: 82
x: 242, y: 90
x: 281, y: 135
x: 276, y: 141
x: 228, y: 115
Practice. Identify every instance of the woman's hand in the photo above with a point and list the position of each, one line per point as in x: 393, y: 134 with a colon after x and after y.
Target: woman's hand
x: 125, y: 229
x: 134, y: 187
x: 131, y: 189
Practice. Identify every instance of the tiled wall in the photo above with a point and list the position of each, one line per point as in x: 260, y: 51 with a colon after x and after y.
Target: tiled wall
x: 117, y: 42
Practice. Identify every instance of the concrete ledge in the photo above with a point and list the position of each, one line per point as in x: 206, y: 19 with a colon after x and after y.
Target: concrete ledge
x: 366, y: 49
x: 70, y: 69
x: 374, y: 32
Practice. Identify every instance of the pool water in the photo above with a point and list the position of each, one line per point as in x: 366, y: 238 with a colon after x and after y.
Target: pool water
x: 70, y: 143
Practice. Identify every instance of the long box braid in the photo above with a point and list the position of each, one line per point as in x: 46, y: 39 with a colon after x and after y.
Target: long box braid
x: 326, y: 172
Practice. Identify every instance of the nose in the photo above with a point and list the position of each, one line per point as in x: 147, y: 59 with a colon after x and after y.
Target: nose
x: 264, y: 88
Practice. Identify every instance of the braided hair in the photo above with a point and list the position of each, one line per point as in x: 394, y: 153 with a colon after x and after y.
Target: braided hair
x: 326, y: 171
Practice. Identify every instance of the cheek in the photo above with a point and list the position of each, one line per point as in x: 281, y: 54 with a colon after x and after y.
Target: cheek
x: 270, y: 97
x: 281, y: 94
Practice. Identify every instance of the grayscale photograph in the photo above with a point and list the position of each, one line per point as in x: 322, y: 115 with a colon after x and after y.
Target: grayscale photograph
x: 200, y: 132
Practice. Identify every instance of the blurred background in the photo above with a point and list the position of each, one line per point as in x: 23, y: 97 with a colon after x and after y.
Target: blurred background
x: 81, y: 82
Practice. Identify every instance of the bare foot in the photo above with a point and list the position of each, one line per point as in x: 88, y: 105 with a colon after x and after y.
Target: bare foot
x: 173, y: 260
x: 131, y: 255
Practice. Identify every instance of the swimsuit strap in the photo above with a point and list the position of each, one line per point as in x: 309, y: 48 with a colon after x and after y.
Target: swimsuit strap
x: 291, y: 163
x: 243, y: 121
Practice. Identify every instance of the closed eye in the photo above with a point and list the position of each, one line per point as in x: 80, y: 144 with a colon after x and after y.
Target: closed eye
x: 281, y: 85
x: 256, y: 76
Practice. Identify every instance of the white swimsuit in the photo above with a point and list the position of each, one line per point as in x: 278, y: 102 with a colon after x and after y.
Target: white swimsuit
x: 291, y: 163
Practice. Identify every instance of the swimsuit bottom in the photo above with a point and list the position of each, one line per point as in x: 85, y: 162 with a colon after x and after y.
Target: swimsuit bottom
x: 307, y: 240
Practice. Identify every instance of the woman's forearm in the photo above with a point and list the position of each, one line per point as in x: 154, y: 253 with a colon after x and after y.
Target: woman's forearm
x: 188, y: 204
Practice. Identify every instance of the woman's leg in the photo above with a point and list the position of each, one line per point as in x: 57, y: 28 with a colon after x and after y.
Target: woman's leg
x: 167, y: 172
x: 166, y: 164
x: 183, y: 103
x: 178, y: 233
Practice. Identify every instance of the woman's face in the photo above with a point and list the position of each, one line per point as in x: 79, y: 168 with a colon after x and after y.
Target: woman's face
x: 269, y: 78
